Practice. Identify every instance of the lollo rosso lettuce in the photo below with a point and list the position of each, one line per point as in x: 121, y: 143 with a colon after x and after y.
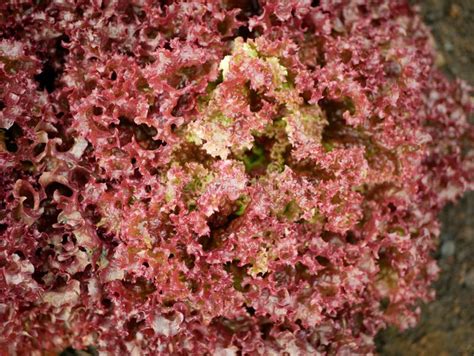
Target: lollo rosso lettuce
x: 221, y: 177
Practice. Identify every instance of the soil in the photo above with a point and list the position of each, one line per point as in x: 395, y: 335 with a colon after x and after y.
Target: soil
x: 446, y: 326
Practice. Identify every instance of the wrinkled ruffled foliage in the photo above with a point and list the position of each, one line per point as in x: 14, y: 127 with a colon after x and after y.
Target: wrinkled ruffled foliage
x: 192, y: 176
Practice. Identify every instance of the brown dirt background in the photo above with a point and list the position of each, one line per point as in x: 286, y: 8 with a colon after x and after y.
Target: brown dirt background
x: 446, y: 326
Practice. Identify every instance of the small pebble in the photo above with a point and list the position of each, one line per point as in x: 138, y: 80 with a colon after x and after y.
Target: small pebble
x: 440, y: 60
x: 448, y: 46
x: 448, y: 248
x: 469, y: 279
x: 433, y: 16
x: 455, y: 11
